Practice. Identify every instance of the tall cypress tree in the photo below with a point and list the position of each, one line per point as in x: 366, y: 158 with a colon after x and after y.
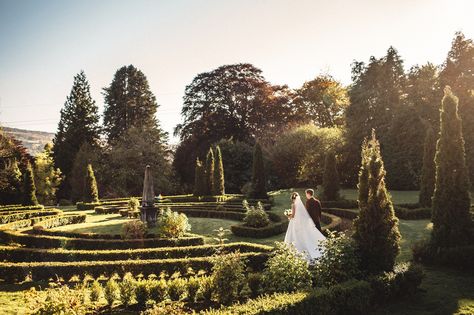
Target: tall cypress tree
x: 29, y: 188
x: 219, y: 181
x: 428, y: 173
x: 79, y: 124
x: 363, y: 185
x: 198, y: 179
x: 209, y: 173
x: 330, y: 178
x: 91, y: 193
x: 376, y: 227
x: 259, y: 190
x: 451, y: 201
x: 129, y: 102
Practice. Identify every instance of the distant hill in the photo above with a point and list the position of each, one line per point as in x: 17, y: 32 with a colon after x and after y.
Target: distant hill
x: 34, y: 141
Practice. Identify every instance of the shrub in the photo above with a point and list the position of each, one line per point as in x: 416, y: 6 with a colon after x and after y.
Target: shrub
x: 254, y: 281
x: 255, y: 216
x: 134, y: 229
x: 339, y: 261
x: 228, y: 277
x: 172, y: 224
x: 158, y: 290
x: 65, y: 202
x: 177, y: 287
x: 174, y: 308
x: 412, y: 214
x: 206, y: 289
x: 133, y: 204
x: 264, y: 232
x: 111, y: 291
x: 87, y: 206
x: 286, y: 270
x: 219, y: 181
x: 96, y: 291
x: 29, y: 188
x: 127, y: 289
x: 91, y: 193
x: 57, y: 299
x: 193, y: 285
x: 455, y: 257
x: 142, y: 292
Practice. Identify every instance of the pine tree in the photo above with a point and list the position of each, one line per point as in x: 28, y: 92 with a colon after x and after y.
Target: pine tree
x: 428, y: 173
x: 79, y: 124
x: 259, y: 190
x: 91, y: 194
x: 129, y: 102
x: 219, y: 181
x: 209, y: 175
x: 29, y: 188
x: 47, y: 178
x: 451, y: 201
x: 376, y: 227
x: 199, y: 179
x: 330, y: 178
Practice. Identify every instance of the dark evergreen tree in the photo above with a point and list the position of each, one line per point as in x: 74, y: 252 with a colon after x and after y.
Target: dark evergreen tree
x: 363, y: 185
x: 10, y: 174
x: 199, y: 181
x: 129, y: 102
x: 330, y: 178
x: 91, y: 193
x: 219, y: 181
x: 376, y: 227
x: 259, y: 189
x: 451, y: 219
x: 79, y: 124
x: 29, y: 188
x: 210, y: 165
x: 428, y: 173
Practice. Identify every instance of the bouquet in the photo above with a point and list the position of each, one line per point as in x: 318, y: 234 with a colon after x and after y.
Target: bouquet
x: 288, y: 213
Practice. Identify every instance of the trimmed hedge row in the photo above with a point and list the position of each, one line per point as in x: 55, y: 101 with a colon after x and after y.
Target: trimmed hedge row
x: 21, y: 254
x: 342, y: 204
x: 230, y: 215
x: 412, y: 213
x: 15, y: 272
x: 45, y: 241
x: 352, y: 297
x: 342, y: 213
x: 109, y: 210
x: 460, y: 258
x: 22, y: 215
x: 21, y: 224
x: 59, y: 221
x: 20, y: 208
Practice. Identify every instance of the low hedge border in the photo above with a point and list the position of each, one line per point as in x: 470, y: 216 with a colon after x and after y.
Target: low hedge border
x: 230, y: 215
x: 20, y: 208
x: 400, y: 212
x: 21, y: 224
x: 46, y: 241
x: 341, y: 204
x: 15, y: 272
x: 352, y: 297
x: 21, y: 254
x: 342, y: 213
x: 109, y: 210
x: 59, y: 221
x: 22, y: 215
x: 460, y: 258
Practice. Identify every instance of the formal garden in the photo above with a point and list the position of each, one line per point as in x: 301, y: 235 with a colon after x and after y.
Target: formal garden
x: 112, y: 219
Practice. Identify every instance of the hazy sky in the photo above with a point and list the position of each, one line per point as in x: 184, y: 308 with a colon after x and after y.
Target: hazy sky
x: 43, y: 44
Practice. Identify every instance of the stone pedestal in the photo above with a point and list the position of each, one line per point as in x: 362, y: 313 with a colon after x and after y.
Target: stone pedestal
x: 148, y: 215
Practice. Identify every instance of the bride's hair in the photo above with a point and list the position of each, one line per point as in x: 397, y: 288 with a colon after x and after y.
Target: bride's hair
x: 294, y: 195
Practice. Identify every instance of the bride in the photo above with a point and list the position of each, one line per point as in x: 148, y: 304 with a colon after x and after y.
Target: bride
x: 302, y: 232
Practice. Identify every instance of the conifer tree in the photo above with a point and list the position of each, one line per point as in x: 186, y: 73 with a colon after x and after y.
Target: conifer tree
x: 330, y: 178
x: 79, y: 124
x: 209, y: 173
x: 259, y: 190
x: 363, y: 185
x: 376, y: 227
x: 29, y: 189
x: 219, y: 181
x: 47, y: 178
x: 129, y: 102
x: 451, y: 219
x: 428, y: 173
x: 91, y: 194
x: 198, y: 179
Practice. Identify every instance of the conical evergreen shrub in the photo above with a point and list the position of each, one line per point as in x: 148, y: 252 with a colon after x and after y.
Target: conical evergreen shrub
x: 452, y: 224
x: 199, y: 185
x: 330, y: 178
x: 209, y: 173
x: 219, y: 181
x: 428, y: 173
x: 29, y: 188
x: 376, y: 227
x: 259, y: 190
x: 91, y: 193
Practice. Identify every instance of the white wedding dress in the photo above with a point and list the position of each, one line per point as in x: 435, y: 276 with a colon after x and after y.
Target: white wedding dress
x: 302, y: 233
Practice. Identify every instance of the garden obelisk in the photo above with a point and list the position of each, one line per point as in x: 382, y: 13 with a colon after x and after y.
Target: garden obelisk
x: 148, y: 210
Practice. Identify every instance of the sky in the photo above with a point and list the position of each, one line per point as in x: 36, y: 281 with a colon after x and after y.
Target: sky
x: 43, y: 44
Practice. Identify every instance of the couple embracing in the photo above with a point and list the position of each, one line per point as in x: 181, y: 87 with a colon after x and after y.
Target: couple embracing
x: 304, y: 229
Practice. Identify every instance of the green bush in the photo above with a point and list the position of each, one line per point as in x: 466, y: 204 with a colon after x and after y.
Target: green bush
x: 206, y: 289
x: 172, y: 224
x: 111, y: 291
x: 142, y: 292
x: 339, y: 261
x: 173, y: 308
x: 255, y: 216
x: 96, y: 291
x: 127, y: 289
x: 254, y: 281
x: 8, y: 208
x: 134, y: 230
x: 460, y: 258
x: 192, y: 288
x: 177, y: 288
x: 21, y: 215
x: 228, y: 277
x: 286, y: 270
x: 87, y: 206
x: 59, y: 221
x: 133, y: 204
x: 412, y: 214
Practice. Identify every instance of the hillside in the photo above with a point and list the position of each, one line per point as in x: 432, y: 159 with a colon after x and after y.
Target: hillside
x: 34, y: 141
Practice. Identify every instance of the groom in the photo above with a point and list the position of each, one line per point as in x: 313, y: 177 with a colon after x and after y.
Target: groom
x: 313, y: 206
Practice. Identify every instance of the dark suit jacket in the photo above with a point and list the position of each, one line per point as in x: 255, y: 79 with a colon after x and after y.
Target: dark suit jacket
x: 313, y: 206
